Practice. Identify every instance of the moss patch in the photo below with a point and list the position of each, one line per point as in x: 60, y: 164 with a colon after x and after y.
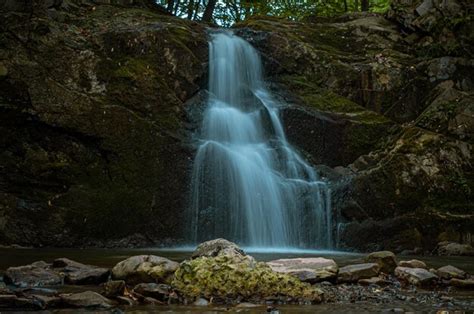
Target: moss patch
x: 239, y: 279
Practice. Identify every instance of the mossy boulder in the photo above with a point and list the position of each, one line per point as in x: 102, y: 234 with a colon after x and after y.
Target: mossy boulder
x: 236, y: 277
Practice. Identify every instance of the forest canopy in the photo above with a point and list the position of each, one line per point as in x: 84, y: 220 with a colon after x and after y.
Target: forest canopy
x: 228, y: 12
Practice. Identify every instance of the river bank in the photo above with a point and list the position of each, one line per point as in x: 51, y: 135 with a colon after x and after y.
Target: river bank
x: 218, y: 276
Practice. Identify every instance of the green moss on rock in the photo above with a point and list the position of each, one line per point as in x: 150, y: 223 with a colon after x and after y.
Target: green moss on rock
x: 239, y: 278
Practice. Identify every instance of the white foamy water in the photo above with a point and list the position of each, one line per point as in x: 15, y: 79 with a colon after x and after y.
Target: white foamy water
x: 249, y: 185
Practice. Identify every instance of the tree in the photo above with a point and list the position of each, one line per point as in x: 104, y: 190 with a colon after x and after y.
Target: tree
x: 209, y: 11
x: 364, y: 5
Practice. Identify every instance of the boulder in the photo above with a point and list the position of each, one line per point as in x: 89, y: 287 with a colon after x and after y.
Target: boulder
x: 159, y: 292
x: 87, y: 299
x: 385, y: 259
x: 313, y: 269
x: 113, y: 288
x: 80, y: 274
x: 12, y: 301
x: 462, y: 283
x: 36, y: 274
x: 415, y: 276
x: 453, y: 248
x: 353, y: 273
x: 239, y: 277
x: 215, y: 247
x: 145, y: 268
x: 414, y: 263
x: 449, y: 272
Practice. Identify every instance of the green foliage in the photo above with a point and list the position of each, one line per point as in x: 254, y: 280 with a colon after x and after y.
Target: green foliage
x: 227, y: 12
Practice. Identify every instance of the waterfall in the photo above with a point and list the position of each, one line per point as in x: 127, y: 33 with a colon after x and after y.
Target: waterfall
x: 249, y: 185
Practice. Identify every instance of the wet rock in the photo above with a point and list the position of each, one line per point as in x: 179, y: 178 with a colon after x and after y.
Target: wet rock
x: 47, y: 301
x: 374, y: 281
x: 11, y: 301
x: 113, y: 288
x: 353, y: 273
x: 36, y: 274
x: 415, y: 276
x: 125, y: 300
x: 80, y: 274
x: 449, y: 272
x: 201, y: 302
x: 453, y: 248
x: 414, y: 263
x: 385, y: 259
x: 314, y: 269
x: 159, y: 292
x: 462, y: 283
x: 87, y: 299
x: 145, y: 268
x: 215, y: 247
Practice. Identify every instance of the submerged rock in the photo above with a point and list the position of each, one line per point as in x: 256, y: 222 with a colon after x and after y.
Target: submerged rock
x: 36, y: 274
x: 386, y: 260
x: 313, y: 269
x: 353, y: 273
x: 145, y: 268
x: 87, y: 299
x: 449, y: 272
x: 414, y: 263
x: 415, y: 276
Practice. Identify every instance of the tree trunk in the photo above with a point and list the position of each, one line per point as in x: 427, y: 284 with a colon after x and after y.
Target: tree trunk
x: 207, y: 16
x: 356, y: 5
x: 345, y: 6
x: 170, y: 6
x: 364, y: 5
x: 190, y: 9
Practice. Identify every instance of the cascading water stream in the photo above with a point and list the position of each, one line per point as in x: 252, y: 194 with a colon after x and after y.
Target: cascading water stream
x: 249, y: 185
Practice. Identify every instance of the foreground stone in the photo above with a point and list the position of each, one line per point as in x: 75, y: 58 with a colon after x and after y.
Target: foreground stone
x: 113, y: 288
x: 87, y: 299
x: 386, y: 260
x: 81, y: 274
x: 462, y: 283
x: 145, y: 268
x: 414, y: 263
x: 215, y: 247
x: 36, y: 274
x: 374, y: 281
x: 453, y: 248
x: 231, y: 276
x: 415, y: 276
x: 310, y: 270
x: 11, y: 301
x: 353, y: 273
x: 159, y: 292
x: 449, y: 272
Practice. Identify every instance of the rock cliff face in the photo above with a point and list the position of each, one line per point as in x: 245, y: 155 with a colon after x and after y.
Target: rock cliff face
x: 387, y: 102
x: 94, y: 138
x: 97, y: 147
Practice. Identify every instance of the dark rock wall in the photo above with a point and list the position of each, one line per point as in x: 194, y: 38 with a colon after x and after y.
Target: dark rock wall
x: 98, y: 101
x: 94, y: 139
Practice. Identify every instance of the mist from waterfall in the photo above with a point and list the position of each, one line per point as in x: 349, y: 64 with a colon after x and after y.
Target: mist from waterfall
x: 249, y: 185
